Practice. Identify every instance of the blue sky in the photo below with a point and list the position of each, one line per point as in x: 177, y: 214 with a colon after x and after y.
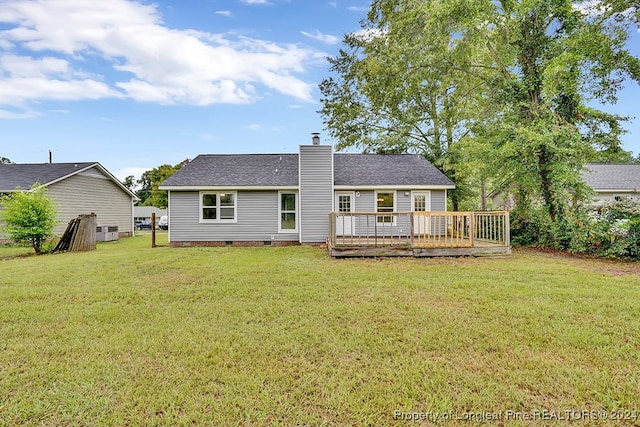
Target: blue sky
x: 134, y: 85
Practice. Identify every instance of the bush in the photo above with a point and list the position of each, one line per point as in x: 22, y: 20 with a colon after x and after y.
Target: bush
x: 609, y: 230
x: 29, y: 216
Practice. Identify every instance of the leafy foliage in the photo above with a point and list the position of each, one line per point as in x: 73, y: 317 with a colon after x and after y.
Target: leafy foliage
x: 149, y: 194
x: 29, y: 216
x: 507, y: 83
x: 4, y: 160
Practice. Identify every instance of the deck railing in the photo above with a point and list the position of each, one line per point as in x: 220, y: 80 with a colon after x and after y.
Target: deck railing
x: 418, y: 229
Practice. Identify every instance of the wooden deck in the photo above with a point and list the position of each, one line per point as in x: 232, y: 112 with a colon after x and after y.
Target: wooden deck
x: 418, y: 234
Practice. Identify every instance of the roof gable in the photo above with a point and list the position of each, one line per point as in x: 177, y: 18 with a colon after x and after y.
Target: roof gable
x: 612, y: 176
x: 17, y: 176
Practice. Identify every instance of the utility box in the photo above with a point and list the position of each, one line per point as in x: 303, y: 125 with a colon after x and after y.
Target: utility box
x: 107, y: 233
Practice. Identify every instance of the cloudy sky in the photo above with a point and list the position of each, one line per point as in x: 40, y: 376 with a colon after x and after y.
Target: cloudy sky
x: 135, y: 84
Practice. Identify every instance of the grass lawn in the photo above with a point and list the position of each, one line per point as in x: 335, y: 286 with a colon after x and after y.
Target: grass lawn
x: 129, y: 335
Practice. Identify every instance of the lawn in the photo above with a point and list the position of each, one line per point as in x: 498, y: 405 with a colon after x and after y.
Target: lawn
x: 129, y: 335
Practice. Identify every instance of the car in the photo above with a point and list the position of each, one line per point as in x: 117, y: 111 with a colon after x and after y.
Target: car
x: 144, y: 225
x: 163, y: 223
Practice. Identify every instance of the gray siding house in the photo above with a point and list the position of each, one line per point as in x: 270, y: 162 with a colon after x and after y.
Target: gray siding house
x: 281, y: 199
x: 77, y: 188
x: 612, y: 181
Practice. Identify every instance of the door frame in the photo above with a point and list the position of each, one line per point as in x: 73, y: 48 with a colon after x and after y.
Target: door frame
x: 425, y: 226
x: 352, y: 208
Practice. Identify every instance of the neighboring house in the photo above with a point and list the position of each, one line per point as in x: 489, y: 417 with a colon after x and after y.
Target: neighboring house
x: 279, y: 199
x: 612, y: 181
x: 77, y: 188
x: 143, y: 213
x: 608, y: 182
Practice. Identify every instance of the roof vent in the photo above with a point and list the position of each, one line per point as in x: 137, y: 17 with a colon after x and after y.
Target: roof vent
x: 315, y: 138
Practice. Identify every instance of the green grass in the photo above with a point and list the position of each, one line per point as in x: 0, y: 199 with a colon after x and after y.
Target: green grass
x: 129, y: 335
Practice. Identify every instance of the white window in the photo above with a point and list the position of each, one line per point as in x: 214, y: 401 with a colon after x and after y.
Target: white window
x: 287, y: 212
x: 385, y: 202
x: 218, y: 207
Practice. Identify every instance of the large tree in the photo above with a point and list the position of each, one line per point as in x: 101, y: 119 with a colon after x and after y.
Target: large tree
x: 515, y: 75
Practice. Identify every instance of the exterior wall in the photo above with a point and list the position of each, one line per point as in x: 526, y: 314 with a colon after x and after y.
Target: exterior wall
x: 316, y: 192
x: 92, y: 192
x: 438, y: 200
x: 403, y: 203
x: 256, y: 214
x: 600, y: 198
x: 366, y: 202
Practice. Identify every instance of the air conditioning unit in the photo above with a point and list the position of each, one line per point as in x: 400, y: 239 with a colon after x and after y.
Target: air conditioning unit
x: 107, y: 233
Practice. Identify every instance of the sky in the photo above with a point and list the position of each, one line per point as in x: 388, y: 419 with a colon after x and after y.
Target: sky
x: 137, y: 84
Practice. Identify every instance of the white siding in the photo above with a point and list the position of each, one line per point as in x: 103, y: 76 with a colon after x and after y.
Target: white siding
x: 257, y: 219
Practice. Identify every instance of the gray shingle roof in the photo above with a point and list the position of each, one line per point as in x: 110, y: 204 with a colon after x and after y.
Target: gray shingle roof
x: 238, y: 170
x: 282, y: 170
x: 23, y: 176
x: 386, y: 169
x: 612, y: 176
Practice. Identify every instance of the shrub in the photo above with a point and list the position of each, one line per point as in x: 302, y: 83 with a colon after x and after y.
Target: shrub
x: 28, y: 216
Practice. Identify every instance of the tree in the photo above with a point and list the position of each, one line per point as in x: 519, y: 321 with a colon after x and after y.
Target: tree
x: 4, y: 160
x: 516, y: 75
x: 130, y: 183
x: 29, y: 216
x: 149, y: 194
x: 391, y: 92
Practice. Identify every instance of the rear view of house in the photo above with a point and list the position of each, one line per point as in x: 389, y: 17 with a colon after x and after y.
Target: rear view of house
x: 281, y: 199
x: 77, y: 188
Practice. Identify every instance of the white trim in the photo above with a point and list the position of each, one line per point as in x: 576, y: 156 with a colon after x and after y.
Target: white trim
x: 218, y: 220
x: 342, y: 193
x: 169, y: 217
x: 393, y: 187
x: 446, y: 197
x: 214, y: 188
x: 395, y: 204
x: 297, y: 213
x: 618, y: 190
x: 427, y: 206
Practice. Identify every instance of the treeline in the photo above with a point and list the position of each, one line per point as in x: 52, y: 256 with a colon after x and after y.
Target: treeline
x: 499, y: 95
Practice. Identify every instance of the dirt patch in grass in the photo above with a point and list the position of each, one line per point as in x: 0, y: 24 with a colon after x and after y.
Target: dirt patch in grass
x: 614, y: 267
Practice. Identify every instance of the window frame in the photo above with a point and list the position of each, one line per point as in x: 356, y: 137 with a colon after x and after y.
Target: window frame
x: 393, y: 222
x: 280, y: 212
x: 218, y: 207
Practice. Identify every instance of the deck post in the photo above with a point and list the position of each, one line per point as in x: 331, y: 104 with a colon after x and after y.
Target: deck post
x: 411, y: 222
x: 472, y: 228
x: 507, y: 229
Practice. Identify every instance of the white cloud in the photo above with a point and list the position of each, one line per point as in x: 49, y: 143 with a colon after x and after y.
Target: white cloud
x: 254, y: 127
x: 325, y: 38
x: 226, y: 13
x: 333, y: 3
x: 358, y: 8
x: 137, y: 172
x: 146, y: 61
x: 255, y: 1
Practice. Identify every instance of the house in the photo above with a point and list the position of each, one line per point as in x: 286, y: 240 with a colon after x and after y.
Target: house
x: 612, y: 181
x: 282, y: 199
x: 143, y: 213
x: 77, y: 188
x: 608, y: 182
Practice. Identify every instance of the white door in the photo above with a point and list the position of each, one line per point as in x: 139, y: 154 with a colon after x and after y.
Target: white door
x: 421, y: 203
x: 344, y: 223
